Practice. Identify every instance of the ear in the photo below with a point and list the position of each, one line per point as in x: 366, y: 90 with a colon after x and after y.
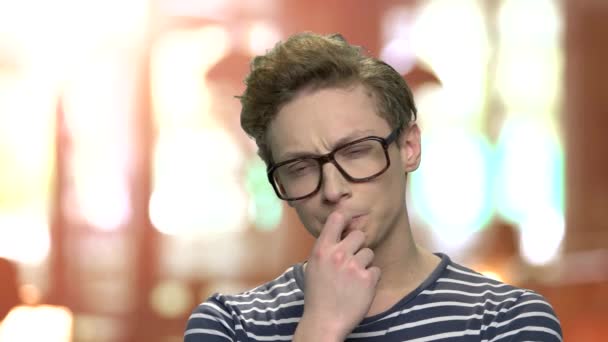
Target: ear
x: 410, y: 147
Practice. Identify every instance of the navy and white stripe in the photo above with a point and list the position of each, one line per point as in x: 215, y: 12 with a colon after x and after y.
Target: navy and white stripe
x: 453, y: 304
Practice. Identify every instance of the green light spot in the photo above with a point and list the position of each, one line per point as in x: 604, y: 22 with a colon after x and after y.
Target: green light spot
x: 451, y: 189
x: 530, y: 170
x: 265, y: 208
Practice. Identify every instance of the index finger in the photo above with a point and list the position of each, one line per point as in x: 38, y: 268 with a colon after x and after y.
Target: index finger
x: 333, y: 228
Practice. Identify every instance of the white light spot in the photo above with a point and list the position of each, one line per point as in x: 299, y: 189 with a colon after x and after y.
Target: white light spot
x: 541, y: 236
x: 262, y: 37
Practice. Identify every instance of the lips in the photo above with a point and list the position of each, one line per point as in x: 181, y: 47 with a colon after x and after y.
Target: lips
x: 356, y: 219
x: 353, y: 217
x: 356, y: 223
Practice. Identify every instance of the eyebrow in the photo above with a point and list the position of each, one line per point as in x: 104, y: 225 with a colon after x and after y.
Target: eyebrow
x: 357, y: 134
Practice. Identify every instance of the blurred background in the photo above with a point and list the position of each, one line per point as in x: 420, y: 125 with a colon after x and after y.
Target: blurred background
x: 129, y: 193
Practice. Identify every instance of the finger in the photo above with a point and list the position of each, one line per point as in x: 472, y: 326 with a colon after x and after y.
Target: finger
x: 375, y: 274
x: 353, y: 241
x: 334, y: 226
x: 364, y: 257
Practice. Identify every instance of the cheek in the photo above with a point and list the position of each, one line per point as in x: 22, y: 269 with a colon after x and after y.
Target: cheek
x: 390, y: 194
x: 307, y: 219
x: 396, y: 173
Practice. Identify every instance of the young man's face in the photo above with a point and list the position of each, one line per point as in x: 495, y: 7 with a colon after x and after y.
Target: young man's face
x: 317, y: 121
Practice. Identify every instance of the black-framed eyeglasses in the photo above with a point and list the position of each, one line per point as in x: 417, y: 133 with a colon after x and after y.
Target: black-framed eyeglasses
x: 358, y: 161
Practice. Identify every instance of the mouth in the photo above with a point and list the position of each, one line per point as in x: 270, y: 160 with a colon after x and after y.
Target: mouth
x: 356, y: 223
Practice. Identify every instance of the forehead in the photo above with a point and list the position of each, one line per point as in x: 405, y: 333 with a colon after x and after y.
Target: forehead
x: 316, y: 120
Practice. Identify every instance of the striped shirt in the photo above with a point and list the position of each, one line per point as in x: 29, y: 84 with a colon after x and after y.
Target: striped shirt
x: 453, y: 304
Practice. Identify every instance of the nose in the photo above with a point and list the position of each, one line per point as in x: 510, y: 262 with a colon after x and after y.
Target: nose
x: 334, y: 186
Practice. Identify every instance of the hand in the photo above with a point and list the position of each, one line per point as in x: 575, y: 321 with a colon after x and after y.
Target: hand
x: 340, y: 284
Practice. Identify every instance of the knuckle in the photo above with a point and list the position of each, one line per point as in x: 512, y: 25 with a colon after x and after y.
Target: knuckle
x: 318, y: 253
x: 353, y: 266
x: 371, y: 276
x: 338, y: 257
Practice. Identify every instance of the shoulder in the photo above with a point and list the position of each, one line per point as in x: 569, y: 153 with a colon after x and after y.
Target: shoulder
x: 507, y: 311
x: 457, y: 282
x: 528, y: 317
x: 210, y: 321
x: 228, y: 317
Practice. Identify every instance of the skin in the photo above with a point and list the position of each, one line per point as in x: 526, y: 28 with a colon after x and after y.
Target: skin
x: 364, y: 259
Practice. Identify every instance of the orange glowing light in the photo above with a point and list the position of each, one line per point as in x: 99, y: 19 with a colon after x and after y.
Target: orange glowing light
x: 53, y: 323
x: 492, y: 274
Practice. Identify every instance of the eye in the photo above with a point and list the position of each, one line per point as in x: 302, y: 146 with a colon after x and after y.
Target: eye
x: 299, y: 168
x: 356, y: 151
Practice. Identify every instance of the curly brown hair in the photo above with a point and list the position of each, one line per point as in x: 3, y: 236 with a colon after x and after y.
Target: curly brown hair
x: 309, y: 60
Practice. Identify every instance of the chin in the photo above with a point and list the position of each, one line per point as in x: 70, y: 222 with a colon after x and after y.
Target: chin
x: 315, y: 232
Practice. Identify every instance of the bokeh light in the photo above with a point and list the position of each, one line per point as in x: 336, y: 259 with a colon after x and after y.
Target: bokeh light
x: 265, y: 208
x: 197, y: 186
x: 183, y: 57
x: 529, y: 170
x: 531, y: 24
x: 53, y: 323
x: 197, y: 163
x: 398, y: 48
x: 529, y: 79
x: 457, y: 51
x: 24, y: 236
x: 262, y: 36
x: 171, y: 299
x: 541, y: 235
x: 96, y: 109
x: 26, y: 165
x: 451, y: 190
x: 491, y: 274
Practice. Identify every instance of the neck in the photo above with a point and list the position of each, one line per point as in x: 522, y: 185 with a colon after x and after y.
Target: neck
x: 404, y: 265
